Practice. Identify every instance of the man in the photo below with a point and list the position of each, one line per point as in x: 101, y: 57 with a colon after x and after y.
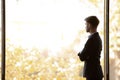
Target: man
x: 91, y: 51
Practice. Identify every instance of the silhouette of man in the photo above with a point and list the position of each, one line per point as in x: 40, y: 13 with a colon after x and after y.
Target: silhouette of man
x: 91, y: 51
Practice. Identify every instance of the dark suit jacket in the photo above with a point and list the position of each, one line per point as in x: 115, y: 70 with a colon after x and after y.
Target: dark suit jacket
x: 91, y: 57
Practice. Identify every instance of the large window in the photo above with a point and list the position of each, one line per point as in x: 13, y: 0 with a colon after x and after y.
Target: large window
x: 43, y: 38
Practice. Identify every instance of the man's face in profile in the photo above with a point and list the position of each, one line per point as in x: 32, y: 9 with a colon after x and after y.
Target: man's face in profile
x: 87, y: 27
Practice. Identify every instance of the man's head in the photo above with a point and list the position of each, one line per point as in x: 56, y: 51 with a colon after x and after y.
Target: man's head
x: 91, y: 23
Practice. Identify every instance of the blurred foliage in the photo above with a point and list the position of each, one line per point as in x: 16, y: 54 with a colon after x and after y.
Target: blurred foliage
x: 23, y: 64
x: 114, y: 41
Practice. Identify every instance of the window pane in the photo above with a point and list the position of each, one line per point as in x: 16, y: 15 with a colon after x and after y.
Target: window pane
x: 43, y: 38
x: 114, y: 40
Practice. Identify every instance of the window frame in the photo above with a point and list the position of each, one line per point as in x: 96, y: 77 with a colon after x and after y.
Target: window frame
x: 106, y: 39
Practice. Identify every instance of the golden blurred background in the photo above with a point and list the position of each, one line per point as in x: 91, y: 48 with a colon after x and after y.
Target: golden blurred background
x: 43, y: 38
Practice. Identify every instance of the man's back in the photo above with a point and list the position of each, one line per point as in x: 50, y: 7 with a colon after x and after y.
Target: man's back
x: 91, y: 55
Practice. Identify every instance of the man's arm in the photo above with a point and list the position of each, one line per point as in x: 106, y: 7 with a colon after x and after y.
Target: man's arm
x: 84, y: 54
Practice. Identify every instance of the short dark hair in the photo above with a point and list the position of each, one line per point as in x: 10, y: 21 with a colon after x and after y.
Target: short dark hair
x: 93, y: 20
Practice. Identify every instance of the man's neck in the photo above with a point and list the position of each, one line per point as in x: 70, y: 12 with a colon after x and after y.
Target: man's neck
x: 93, y: 31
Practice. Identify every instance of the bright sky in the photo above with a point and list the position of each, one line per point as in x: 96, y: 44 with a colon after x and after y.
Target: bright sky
x: 46, y: 23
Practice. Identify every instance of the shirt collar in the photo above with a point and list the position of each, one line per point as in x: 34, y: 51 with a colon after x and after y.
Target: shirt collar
x: 92, y: 34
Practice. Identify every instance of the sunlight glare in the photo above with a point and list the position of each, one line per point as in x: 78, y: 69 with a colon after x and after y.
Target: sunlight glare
x: 44, y: 23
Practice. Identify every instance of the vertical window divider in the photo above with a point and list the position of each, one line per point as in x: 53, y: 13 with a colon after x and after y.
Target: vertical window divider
x: 106, y: 39
x: 3, y: 39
